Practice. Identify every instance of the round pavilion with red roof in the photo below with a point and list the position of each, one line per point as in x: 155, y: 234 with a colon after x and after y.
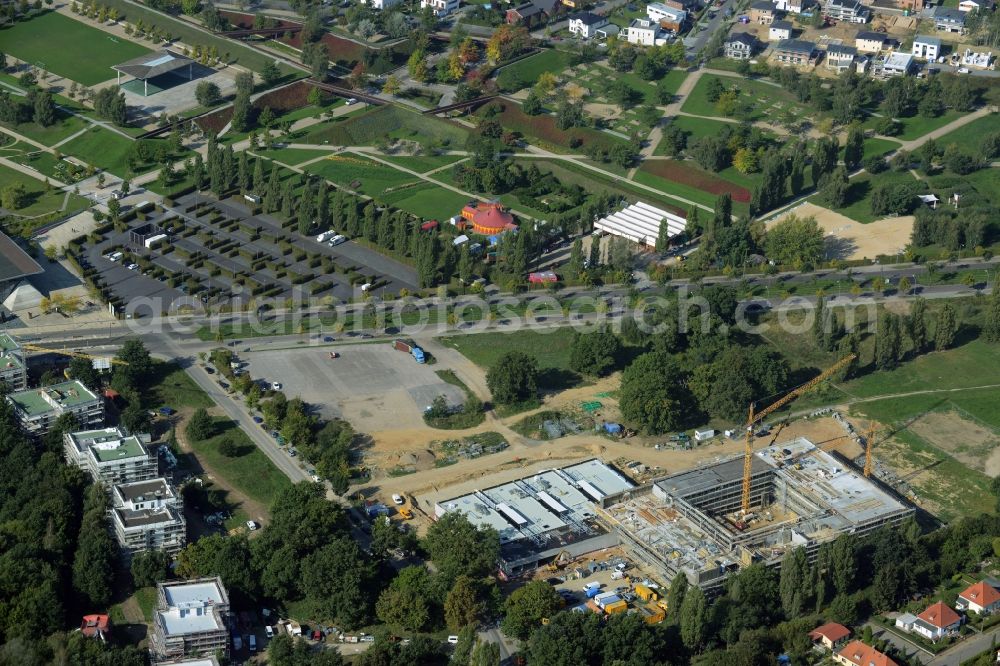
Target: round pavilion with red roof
x: 489, y: 219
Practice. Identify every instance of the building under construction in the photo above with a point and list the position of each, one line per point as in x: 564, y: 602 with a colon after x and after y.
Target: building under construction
x: 691, y: 522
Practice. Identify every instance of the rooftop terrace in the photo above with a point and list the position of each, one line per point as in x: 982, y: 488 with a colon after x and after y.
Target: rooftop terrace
x: 67, y: 395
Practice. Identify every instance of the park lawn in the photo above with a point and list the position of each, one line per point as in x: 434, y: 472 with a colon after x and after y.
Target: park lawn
x: 102, y: 148
x: 292, y: 156
x: 69, y: 48
x: 379, y: 124
x: 673, y: 79
x: 427, y: 201
x: 172, y: 387
x: 375, y: 178
x: 542, y: 130
x: 695, y: 128
x: 423, y: 163
x: 251, y: 472
x: 763, y: 98
x: 40, y: 202
x: 41, y: 161
x: 986, y: 182
x: 550, y: 347
x: 874, y: 147
x: 525, y: 73
x: 66, y: 125
x: 915, y: 127
x: 676, y: 189
x: 859, y: 196
x: 969, y: 136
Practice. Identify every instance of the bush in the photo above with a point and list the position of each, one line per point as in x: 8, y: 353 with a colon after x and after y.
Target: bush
x: 875, y: 164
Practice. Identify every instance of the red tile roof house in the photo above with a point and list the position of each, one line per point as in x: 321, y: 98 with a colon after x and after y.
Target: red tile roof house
x: 858, y: 654
x: 980, y: 598
x: 937, y: 621
x: 830, y: 635
x: 95, y: 626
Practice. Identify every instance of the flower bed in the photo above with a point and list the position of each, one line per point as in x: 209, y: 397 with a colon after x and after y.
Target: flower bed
x: 341, y: 50
x: 544, y: 127
x: 686, y: 174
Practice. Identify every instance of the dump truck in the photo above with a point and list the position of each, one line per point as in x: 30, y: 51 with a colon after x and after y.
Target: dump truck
x: 645, y: 593
x: 619, y: 606
x: 413, y: 350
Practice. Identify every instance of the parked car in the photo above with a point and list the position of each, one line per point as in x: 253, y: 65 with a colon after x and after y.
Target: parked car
x: 258, y: 419
x: 453, y: 639
x: 209, y: 369
x: 275, y: 386
x: 252, y: 525
x: 269, y: 631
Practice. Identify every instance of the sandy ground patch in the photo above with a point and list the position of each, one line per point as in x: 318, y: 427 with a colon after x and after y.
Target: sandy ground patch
x: 970, y: 443
x: 606, y: 111
x: 848, y: 239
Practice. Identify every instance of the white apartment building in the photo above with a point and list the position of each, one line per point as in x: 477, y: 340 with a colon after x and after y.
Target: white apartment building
x: 111, y: 456
x: 440, y: 7
x: 190, y: 619
x: 148, y: 515
x: 645, y: 33
x: 38, y: 409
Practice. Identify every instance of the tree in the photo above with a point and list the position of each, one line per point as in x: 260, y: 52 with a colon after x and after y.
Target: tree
x: 82, y: 370
x: 404, y: 602
x: 457, y: 547
x: 946, y: 328
x: 150, y: 567
x: 207, y: 93
x: 795, y: 241
x: 270, y: 73
x: 532, y: 105
x: 109, y: 103
x: 835, y: 187
x: 675, y: 595
x: 745, y: 160
x: 513, y: 378
x: 14, y: 197
x: 200, y: 425
x: 843, y: 563
x: 242, y: 112
x: 462, y: 606
x: 391, y: 85
x: 693, y: 618
x: 93, y: 563
x: 792, y: 586
x: 525, y: 609
x: 653, y: 393
x: 594, y: 353
x: 855, y: 146
x: 44, y: 112
x: 916, y: 325
x: 991, y: 326
x: 887, y: 341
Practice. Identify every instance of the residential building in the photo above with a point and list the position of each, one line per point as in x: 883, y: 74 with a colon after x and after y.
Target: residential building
x: 96, y: 626
x: 111, y: 456
x: 869, y: 42
x: 762, y: 12
x: 645, y: 33
x: 740, y: 46
x: 190, y: 619
x: 857, y: 653
x: 830, y: 635
x: 525, y: 14
x: 897, y: 64
x: 840, y: 56
x: 38, y: 409
x: 13, y: 369
x: 905, y: 621
x: 949, y: 20
x: 209, y: 660
x: 976, y: 59
x: 850, y: 11
x: 937, y: 621
x: 669, y: 18
x: 148, y: 515
x: 585, y: 24
x: 795, y: 52
x: 790, y: 6
x: 980, y: 598
x: 440, y: 7
x: 381, y: 4
x: 928, y: 48
x: 609, y: 30
x: 779, y: 30
x: 981, y: 5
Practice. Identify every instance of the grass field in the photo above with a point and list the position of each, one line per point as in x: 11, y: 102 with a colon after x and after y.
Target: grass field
x: 383, y: 123
x: 859, y: 197
x: 108, y: 150
x: 66, y: 125
x: 969, y: 136
x: 551, y: 347
x: 40, y: 202
x: 765, y: 101
x: 292, y: 156
x: 427, y: 201
x: 251, y: 471
x: 69, y: 48
x: 172, y: 387
x: 525, y: 73
x: 879, y: 147
x: 917, y: 126
x: 374, y: 177
x: 422, y: 163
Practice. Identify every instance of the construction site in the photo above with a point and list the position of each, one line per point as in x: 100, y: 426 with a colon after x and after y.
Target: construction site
x: 693, y: 522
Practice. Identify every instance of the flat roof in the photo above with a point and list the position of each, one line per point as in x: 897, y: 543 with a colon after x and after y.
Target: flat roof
x: 923, y: 39
x: 153, y: 64
x: 200, y: 661
x: 15, y: 263
x: 9, y: 360
x: 194, y: 594
x: 898, y: 60
x: 145, y: 490
x: 66, y: 395
x: 118, y: 449
x: 146, y: 517
x: 189, y: 620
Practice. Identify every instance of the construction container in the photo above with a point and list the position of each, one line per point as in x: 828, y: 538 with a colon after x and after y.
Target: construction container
x: 604, y: 602
x: 652, y: 614
x: 619, y: 606
x: 594, y: 607
x: 645, y: 593
x: 605, y: 595
x: 593, y: 592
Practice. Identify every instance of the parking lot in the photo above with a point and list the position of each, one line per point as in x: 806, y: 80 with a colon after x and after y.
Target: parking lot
x: 371, y: 385
x: 212, y: 246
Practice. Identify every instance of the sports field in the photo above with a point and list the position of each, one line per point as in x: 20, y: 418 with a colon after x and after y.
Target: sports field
x: 69, y: 48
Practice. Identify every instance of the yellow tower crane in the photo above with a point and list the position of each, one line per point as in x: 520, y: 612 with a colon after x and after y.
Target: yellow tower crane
x: 869, y: 443
x: 757, y: 417
x: 74, y: 354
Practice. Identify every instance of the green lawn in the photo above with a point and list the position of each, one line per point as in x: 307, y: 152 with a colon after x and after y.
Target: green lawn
x: 172, y: 387
x: 102, y: 148
x: 422, y: 163
x: 66, y: 125
x: 969, y: 136
x: 879, y: 147
x: 551, y: 347
x: 292, y: 156
x: 374, y: 178
x: 40, y: 202
x: 427, y: 201
x: 764, y: 100
x: 376, y: 125
x: 68, y: 47
x: 915, y: 127
x: 251, y: 471
x: 859, y: 196
x: 695, y: 128
x: 41, y: 161
x: 525, y: 73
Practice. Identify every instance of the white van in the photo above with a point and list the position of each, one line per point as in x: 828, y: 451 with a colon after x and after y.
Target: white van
x: 323, y: 237
x: 337, y: 240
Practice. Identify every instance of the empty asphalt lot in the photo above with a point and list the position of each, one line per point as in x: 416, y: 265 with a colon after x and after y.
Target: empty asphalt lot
x: 373, y: 386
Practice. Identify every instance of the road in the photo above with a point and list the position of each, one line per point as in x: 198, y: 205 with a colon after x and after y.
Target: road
x: 965, y: 650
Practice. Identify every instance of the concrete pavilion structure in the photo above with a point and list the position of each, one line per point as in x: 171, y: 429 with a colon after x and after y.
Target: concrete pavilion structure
x: 16, y: 265
x: 155, y: 64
